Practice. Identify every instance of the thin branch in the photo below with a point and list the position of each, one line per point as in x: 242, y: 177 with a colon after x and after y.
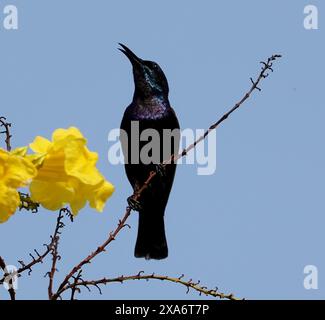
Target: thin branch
x: 54, y: 250
x: 266, y: 68
x: 24, y: 267
x: 140, y: 276
x: 6, y: 125
x: 111, y: 237
x: 75, y: 288
x: 36, y: 256
x: 11, y: 290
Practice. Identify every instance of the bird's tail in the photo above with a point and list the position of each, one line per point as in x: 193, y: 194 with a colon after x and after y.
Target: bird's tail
x: 151, y: 241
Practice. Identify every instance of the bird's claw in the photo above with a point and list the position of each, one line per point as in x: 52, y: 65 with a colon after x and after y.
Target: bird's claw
x: 160, y: 170
x: 134, y: 204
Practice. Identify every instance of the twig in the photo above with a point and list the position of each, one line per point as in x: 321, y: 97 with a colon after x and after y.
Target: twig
x: 75, y: 288
x: 140, y: 276
x: 37, y: 257
x: 54, y: 249
x: 100, y: 249
x: 266, y: 68
x: 11, y: 290
x: 34, y: 261
x: 7, y: 126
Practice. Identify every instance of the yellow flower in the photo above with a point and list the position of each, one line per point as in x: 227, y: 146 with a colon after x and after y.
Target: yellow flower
x: 15, y: 172
x: 67, y: 173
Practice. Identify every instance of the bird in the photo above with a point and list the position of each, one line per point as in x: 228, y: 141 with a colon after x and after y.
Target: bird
x: 150, y: 109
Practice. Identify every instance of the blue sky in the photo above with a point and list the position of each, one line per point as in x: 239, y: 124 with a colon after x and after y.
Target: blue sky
x: 250, y: 228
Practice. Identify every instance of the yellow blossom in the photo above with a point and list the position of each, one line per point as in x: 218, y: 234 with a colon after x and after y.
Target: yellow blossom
x: 15, y: 172
x: 67, y: 173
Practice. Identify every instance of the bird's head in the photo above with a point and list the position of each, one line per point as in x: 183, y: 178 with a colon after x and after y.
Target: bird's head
x: 149, y: 79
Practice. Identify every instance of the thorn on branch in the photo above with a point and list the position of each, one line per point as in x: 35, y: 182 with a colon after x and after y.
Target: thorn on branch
x: 140, y: 273
x: 88, y: 288
x: 38, y: 255
x: 68, y: 213
x: 21, y: 263
x: 265, y: 65
x: 99, y: 289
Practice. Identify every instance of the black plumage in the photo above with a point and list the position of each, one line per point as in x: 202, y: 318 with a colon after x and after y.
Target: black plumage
x: 151, y: 109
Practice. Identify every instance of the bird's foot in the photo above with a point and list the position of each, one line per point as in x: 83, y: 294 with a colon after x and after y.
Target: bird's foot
x: 160, y: 170
x: 134, y: 204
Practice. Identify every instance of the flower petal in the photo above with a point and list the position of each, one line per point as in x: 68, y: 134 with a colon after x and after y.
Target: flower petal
x: 81, y: 163
x: 61, y: 134
x: 99, y: 196
x: 52, y: 195
x: 40, y: 145
x: 18, y: 171
x: 22, y: 151
x: 9, y: 201
x: 67, y: 173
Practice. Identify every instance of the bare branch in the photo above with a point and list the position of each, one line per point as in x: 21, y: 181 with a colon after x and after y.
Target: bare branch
x: 75, y: 288
x: 38, y: 258
x: 6, y: 125
x: 111, y: 237
x: 140, y: 276
x: 54, y: 250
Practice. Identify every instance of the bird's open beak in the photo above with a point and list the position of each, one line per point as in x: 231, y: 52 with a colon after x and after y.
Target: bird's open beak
x: 130, y: 55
